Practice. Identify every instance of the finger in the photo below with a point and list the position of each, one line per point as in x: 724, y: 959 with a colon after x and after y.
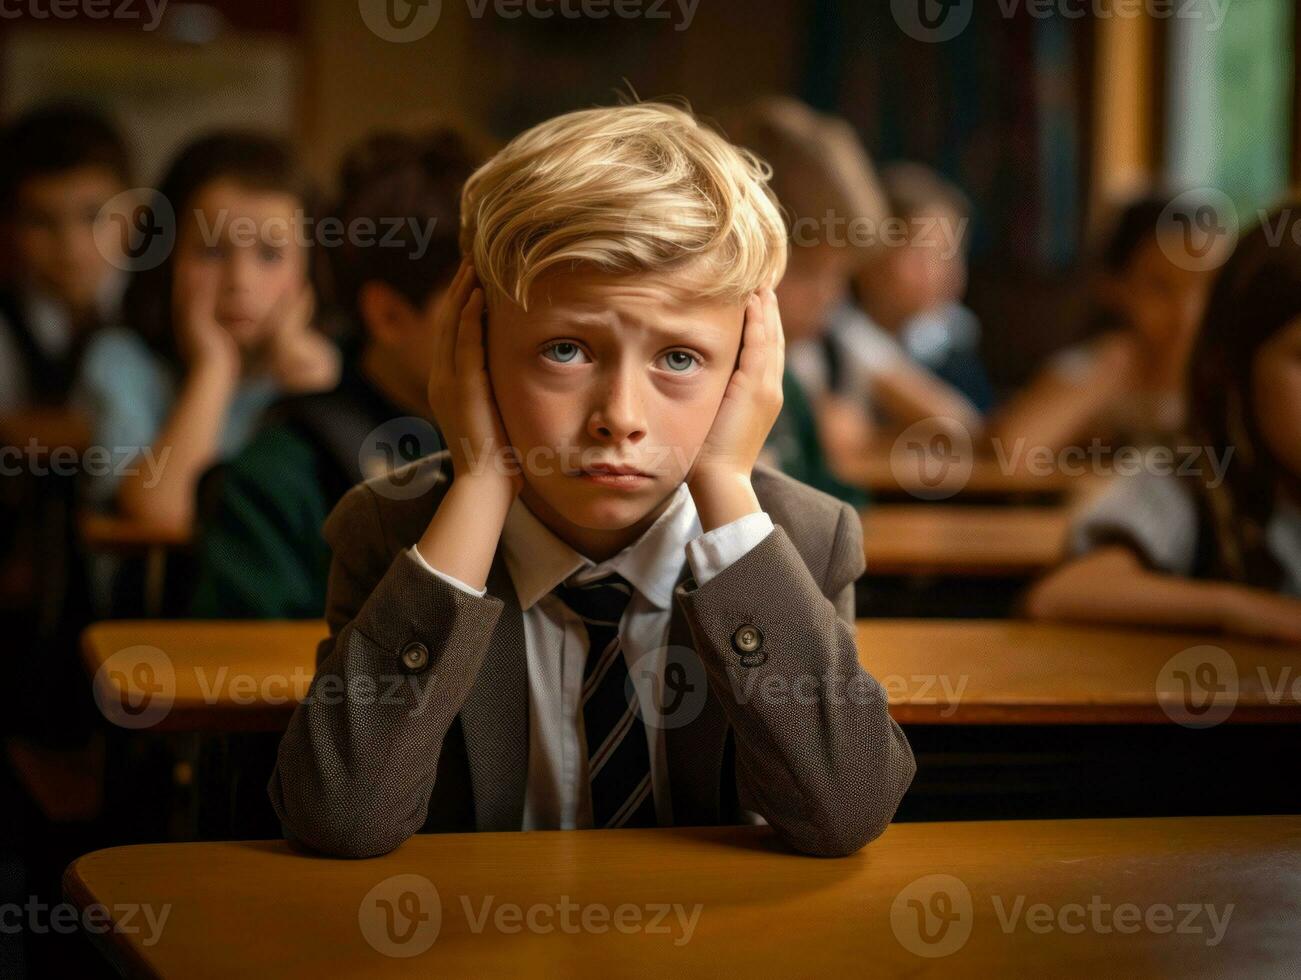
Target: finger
x: 469, y: 336
x: 772, y: 313
x: 751, y: 336
x: 776, y: 339
x: 445, y: 317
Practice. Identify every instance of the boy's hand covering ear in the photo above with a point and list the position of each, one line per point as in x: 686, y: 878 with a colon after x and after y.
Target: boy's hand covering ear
x: 753, y: 398
x: 460, y: 393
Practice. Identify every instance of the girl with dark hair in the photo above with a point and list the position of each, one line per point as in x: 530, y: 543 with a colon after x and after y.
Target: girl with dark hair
x: 218, y: 330
x: 1219, y: 548
x: 1123, y: 385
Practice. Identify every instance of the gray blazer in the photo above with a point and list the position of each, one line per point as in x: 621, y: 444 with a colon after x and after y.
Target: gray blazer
x: 417, y: 717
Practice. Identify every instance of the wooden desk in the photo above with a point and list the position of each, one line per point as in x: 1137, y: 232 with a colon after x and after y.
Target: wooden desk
x: 936, y: 539
x: 186, y: 675
x: 52, y: 428
x: 235, y: 908
x: 1004, y: 672
x: 987, y: 479
x: 248, y: 676
x: 108, y: 532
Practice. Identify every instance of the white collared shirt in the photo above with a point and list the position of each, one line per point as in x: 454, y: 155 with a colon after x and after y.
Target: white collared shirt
x: 558, y: 795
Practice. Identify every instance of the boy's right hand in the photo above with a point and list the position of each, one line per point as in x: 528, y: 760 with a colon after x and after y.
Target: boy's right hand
x: 1262, y: 615
x: 460, y: 392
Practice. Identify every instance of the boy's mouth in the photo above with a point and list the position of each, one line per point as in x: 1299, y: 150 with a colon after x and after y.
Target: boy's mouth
x: 615, y: 476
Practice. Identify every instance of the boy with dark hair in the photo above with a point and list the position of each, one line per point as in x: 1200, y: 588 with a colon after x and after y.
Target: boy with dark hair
x: 62, y: 164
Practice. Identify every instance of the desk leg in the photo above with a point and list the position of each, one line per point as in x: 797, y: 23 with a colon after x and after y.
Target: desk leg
x: 155, y: 580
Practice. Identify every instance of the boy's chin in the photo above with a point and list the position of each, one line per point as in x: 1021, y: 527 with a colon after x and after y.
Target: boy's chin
x: 599, y: 509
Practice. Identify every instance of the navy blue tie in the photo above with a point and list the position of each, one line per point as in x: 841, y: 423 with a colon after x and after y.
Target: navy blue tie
x: 618, y: 759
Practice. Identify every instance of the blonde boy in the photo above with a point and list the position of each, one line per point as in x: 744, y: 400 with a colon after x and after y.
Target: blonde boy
x: 598, y: 611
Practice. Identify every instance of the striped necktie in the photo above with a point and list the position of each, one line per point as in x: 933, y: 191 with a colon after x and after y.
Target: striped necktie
x: 618, y: 759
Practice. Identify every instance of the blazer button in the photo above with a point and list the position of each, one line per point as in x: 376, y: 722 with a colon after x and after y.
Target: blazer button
x: 415, y: 657
x: 748, y: 642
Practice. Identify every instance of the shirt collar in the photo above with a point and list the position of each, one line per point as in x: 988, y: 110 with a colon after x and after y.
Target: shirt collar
x: 538, y: 561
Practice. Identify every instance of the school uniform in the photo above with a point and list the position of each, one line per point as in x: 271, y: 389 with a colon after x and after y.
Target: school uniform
x: 260, y: 550
x: 511, y: 709
x: 1156, y: 516
x: 40, y: 345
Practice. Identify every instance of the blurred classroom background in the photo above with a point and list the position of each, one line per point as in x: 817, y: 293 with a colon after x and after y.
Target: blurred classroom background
x: 1047, y: 120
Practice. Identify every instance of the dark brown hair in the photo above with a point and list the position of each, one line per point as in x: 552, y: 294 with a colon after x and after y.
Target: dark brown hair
x: 1257, y: 294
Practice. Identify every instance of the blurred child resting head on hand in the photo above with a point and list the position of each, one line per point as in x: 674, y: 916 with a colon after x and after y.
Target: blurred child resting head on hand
x: 219, y: 328
x: 1220, y: 547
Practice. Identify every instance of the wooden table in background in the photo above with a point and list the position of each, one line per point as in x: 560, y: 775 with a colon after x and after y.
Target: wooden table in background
x: 988, y: 479
x: 945, y: 540
x: 247, y: 676
x: 1005, y: 672
x: 52, y: 428
x: 198, y: 675
x: 926, y: 899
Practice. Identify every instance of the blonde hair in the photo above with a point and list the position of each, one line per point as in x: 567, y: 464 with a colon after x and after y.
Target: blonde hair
x: 643, y: 188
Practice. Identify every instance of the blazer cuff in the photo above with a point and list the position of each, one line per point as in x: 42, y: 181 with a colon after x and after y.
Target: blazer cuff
x: 410, y: 606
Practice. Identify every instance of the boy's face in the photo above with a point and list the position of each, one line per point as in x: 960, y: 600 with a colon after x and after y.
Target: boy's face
x: 601, y: 373
x: 55, y: 229
x: 239, y: 251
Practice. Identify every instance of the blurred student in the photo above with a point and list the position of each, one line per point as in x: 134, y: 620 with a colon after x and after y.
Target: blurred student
x: 822, y: 180
x: 61, y: 166
x: 215, y: 333
x: 1125, y: 386
x: 261, y: 552
x: 914, y: 289
x: 1221, y: 549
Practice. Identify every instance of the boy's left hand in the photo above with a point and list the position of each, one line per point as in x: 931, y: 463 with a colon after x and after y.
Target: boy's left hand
x: 720, y: 479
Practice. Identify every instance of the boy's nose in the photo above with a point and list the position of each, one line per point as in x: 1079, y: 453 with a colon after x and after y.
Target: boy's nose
x: 619, y: 416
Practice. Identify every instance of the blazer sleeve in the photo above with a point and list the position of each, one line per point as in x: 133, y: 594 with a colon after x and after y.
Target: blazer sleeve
x: 357, y: 764
x: 817, y: 754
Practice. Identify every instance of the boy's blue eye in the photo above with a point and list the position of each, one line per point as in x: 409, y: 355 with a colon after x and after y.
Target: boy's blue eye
x: 563, y: 352
x: 680, y: 361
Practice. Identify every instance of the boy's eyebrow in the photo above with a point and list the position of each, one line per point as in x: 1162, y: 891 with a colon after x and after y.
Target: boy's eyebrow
x: 669, y: 325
